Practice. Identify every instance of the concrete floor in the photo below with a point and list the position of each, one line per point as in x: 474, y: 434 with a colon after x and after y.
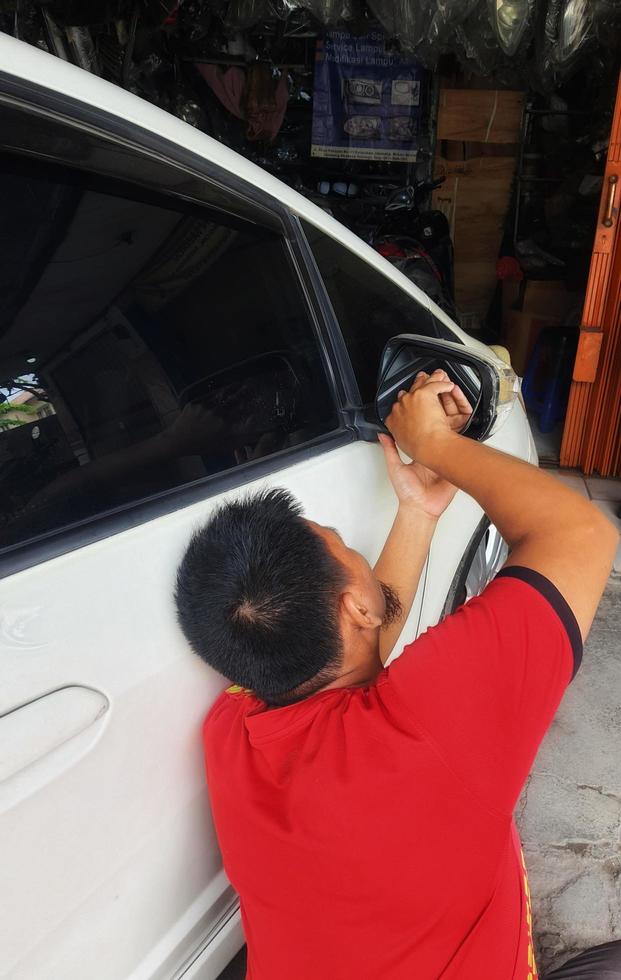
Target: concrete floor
x: 548, y: 443
x: 569, y: 814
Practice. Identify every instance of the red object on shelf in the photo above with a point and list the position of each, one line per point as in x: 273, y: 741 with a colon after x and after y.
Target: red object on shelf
x: 508, y: 268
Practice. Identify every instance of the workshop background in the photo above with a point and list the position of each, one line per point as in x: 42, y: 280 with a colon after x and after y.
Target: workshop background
x: 498, y: 116
x: 477, y: 145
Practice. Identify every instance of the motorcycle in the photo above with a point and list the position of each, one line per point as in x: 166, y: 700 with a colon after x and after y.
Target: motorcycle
x: 419, y: 242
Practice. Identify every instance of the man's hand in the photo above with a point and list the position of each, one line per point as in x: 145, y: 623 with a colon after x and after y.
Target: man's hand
x: 433, y: 406
x: 416, y: 485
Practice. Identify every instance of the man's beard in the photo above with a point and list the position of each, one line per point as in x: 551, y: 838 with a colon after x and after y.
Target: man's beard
x: 394, y: 609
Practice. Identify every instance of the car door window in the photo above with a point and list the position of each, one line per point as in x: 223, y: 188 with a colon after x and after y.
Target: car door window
x: 369, y: 307
x: 144, y: 345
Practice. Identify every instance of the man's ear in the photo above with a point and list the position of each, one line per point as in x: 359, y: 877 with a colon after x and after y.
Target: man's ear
x: 355, y: 608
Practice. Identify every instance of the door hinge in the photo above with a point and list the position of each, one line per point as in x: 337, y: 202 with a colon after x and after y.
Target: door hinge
x: 587, y: 354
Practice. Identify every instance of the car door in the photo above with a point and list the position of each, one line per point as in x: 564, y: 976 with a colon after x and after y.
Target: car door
x: 157, y: 324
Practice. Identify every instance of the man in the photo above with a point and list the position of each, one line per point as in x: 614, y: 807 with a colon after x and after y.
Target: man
x: 365, y: 813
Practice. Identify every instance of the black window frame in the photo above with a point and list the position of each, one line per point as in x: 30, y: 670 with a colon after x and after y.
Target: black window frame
x: 363, y: 411
x: 123, y: 151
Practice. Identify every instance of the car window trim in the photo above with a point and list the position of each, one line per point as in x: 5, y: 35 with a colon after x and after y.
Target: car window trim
x: 121, y: 134
x: 53, y: 544
x: 363, y: 412
x: 325, y: 312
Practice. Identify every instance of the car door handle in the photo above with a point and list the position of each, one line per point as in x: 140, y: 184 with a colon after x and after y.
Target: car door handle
x: 33, y: 730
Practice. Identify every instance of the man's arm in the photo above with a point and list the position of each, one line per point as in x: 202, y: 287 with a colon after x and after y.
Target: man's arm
x: 400, y: 565
x: 548, y: 527
x: 423, y: 497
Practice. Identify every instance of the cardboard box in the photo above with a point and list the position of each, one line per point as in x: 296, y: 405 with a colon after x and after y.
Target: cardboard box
x: 521, y: 333
x: 475, y: 198
x: 510, y: 297
x: 536, y: 304
x: 546, y: 297
x: 480, y: 115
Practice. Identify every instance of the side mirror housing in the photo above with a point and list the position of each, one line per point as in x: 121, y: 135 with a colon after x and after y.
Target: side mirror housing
x: 489, y: 385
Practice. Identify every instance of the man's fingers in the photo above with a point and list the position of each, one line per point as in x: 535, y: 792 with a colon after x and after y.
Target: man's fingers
x: 449, y: 405
x: 458, y: 422
x: 461, y: 401
x: 438, y: 387
x: 456, y: 403
x: 390, y: 451
x: 435, y: 387
x: 419, y: 380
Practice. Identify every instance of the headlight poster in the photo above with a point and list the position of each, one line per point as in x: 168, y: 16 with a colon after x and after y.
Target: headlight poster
x: 367, y: 100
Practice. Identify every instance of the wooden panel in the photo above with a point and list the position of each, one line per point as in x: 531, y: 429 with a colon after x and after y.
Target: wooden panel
x: 474, y: 287
x: 475, y: 198
x: 477, y: 115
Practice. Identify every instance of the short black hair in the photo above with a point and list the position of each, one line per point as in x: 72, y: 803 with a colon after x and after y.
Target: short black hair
x: 257, y: 597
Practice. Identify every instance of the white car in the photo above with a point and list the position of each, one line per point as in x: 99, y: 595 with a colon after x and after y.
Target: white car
x: 189, y: 328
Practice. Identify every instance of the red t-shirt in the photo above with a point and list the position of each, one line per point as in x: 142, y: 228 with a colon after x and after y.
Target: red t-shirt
x: 369, y: 831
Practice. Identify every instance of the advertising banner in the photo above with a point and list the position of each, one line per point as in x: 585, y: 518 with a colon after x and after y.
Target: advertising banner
x: 367, y: 100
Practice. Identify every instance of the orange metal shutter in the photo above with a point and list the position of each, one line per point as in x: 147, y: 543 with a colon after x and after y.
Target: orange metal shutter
x: 592, y: 434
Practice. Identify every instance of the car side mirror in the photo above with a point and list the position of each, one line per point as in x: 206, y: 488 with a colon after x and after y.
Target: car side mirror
x: 489, y: 385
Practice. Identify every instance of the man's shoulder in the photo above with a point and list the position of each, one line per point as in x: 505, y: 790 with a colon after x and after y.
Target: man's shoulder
x: 229, y: 701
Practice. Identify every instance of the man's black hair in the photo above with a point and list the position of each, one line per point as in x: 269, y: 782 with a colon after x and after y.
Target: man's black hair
x: 257, y: 598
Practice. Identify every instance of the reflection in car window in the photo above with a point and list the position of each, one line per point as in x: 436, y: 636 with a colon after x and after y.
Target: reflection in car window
x: 142, y: 347
x: 370, y: 308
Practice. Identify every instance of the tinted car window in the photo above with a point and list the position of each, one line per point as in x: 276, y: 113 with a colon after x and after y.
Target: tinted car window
x: 370, y: 308
x: 143, y: 346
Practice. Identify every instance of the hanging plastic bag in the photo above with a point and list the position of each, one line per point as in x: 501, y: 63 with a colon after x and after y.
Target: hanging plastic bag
x: 328, y: 11
x: 448, y: 14
x: 243, y: 14
x: 423, y: 27
x: 404, y: 20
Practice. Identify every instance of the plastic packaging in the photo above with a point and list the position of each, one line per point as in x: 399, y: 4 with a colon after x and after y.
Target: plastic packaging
x: 423, y: 27
x: 83, y: 48
x: 406, y: 21
x: 512, y: 22
x: 477, y: 43
x: 187, y: 109
x: 338, y: 187
x: 243, y: 14
x: 327, y: 11
x: 448, y: 14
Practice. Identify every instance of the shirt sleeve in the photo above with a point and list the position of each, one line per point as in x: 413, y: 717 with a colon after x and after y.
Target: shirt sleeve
x: 484, y: 684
